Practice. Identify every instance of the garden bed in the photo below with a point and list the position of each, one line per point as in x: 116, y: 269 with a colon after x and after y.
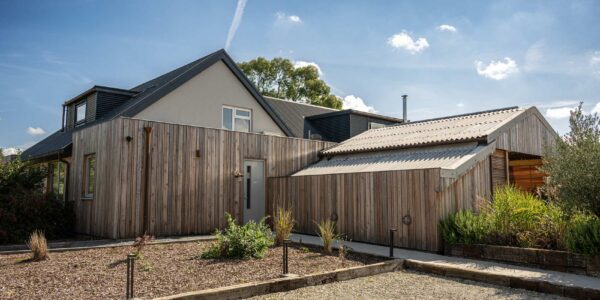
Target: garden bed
x: 163, y: 270
x: 547, y: 259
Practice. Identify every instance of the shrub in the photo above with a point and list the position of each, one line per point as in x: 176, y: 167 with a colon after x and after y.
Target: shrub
x: 465, y: 227
x: 139, y: 244
x: 38, y: 246
x: 583, y: 234
x: 284, y: 223
x: 513, y: 218
x: 326, y: 230
x: 251, y: 240
x: 519, y: 218
x: 573, y: 165
x: 25, y: 207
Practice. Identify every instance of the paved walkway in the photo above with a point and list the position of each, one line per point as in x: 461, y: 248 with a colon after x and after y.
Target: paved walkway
x: 560, y: 278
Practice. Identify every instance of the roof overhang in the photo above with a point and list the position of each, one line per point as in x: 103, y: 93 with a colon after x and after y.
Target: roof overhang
x: 99, y: 88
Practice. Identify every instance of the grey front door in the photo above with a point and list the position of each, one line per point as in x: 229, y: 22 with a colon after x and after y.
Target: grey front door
x: 254, y: 190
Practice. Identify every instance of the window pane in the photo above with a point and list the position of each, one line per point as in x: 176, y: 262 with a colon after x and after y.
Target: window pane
x: 62, y: 178
x: 242, y: 125
x: 80, y: 114
x: 242, y: 113
x: 55, y: 177
x: 227, y: 117
x: 90, y: 179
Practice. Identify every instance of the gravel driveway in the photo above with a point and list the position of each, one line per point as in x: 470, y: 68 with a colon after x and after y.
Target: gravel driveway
x: 408, y: 285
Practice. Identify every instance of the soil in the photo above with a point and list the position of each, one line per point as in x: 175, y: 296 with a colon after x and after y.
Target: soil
x: 162, y: 270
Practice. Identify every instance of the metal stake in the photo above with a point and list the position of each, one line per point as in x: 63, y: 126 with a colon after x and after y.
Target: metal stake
x: 130, y: 269
x: 285, y: 256
x: 392, y: 230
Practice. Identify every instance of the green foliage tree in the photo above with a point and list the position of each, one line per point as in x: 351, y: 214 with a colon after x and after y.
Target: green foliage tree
x: 25, y: 206
x: 573, y: 165
x: 279, y: 78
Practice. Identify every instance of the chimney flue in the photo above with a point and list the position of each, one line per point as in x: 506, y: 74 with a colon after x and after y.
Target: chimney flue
x: 404, y: 99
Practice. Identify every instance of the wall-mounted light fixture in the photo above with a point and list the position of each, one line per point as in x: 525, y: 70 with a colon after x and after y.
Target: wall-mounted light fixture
x: 129, y: 138
x: 197, y: 153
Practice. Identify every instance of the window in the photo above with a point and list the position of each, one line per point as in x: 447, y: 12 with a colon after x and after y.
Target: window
x: 58, y: 178
x: 237, y: 119
x: 89, y: 176
x: 375, y: 125
x: 80, y: 110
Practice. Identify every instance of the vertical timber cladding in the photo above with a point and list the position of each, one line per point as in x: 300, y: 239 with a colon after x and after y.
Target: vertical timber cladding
x: 192, y: 180
x: 367, y: 205
x: 499, y: 168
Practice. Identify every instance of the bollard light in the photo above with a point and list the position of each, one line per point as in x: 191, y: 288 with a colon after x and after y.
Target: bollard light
x: 285, y: 256
x: 392, y: 230
x: 130, y: 269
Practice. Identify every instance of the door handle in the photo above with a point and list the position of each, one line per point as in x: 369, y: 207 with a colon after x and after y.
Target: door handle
x: 248, y: 186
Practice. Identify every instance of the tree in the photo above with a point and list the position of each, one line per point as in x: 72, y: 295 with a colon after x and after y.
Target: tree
x: 573, y: 164
x: 279, y: 78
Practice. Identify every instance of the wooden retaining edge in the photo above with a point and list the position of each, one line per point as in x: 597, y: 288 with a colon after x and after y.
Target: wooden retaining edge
x: 247, y: 290
x: 504, y: 280
x: 116, y: 244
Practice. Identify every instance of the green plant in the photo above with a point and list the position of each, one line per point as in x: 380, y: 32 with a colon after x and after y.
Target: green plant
x: 583, y: 234
x: 284, y: 224
x: 146, y: 267
x: 326, y: 231
x: 38, y: 246
x: 519, y: 218
x: 251, y: 240
x: 25, y: 206
x: 304, y: 249
x: 573, y: 165
x: 465, y: 227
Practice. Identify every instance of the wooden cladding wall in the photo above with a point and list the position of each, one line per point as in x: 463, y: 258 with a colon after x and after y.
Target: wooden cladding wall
x: 367, y: 205
x: 529, y: 135
x: 188, y: 194
x: 525, y: 175
x: 499, y: 168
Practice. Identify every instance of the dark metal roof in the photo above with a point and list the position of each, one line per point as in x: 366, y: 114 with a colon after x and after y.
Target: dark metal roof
x: 99, y: 88
x: 356, y: 112
x: 293, y: 113
x: 55, y: 144
x: 145, y: 95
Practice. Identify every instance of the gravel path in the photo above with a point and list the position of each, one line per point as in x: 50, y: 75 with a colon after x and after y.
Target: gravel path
x: 408, y: 285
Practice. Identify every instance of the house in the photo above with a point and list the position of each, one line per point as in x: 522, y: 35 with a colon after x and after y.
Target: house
x: 174, y: 154
x: 411, y: 176
x: 210, y: 97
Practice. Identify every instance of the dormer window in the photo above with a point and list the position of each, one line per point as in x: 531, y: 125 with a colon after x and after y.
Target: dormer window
x: 80, y: 110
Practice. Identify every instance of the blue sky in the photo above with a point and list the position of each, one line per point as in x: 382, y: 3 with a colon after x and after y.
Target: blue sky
x: 450, y: 58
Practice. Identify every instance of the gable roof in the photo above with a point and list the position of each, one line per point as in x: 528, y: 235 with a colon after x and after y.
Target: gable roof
x: 145, y: 95
x: 480, y: 126
x: 293, y: 113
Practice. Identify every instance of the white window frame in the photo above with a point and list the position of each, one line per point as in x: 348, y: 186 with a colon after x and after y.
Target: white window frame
x: 234, y: 116
x: 77, y: 121
x: 377, y: 125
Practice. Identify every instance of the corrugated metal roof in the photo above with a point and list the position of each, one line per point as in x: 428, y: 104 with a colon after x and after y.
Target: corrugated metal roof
x: 447, y: 157
x: 453, y: 129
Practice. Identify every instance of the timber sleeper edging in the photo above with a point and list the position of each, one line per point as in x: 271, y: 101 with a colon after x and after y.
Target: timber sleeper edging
x: 512, y: 281
x: 247, y: 290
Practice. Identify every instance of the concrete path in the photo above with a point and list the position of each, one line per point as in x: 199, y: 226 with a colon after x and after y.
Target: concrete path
x: 487, y: 267
x: 106, y: 243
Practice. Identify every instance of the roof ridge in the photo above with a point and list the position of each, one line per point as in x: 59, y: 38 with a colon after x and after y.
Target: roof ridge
x: 299, y: 103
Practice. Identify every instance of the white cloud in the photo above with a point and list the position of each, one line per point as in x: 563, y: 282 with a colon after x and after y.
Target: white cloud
x: 282, y: 17
x: 559, y: 112
x: 446, y: 27
x: 460, y: 105
x: 595, y: 58
x: 237, y: 19
x: 10, y: 151
x: 596, y: 109
x: 34, y: 131
x: 300, y: 64
x: 356, y: 103
x: 405, y: 41
x: 497, y: 70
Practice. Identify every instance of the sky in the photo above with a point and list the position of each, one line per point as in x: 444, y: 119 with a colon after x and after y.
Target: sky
x: 449, y: 58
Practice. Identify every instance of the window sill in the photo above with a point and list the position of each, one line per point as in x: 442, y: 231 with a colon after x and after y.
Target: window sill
x: 86, y: 198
